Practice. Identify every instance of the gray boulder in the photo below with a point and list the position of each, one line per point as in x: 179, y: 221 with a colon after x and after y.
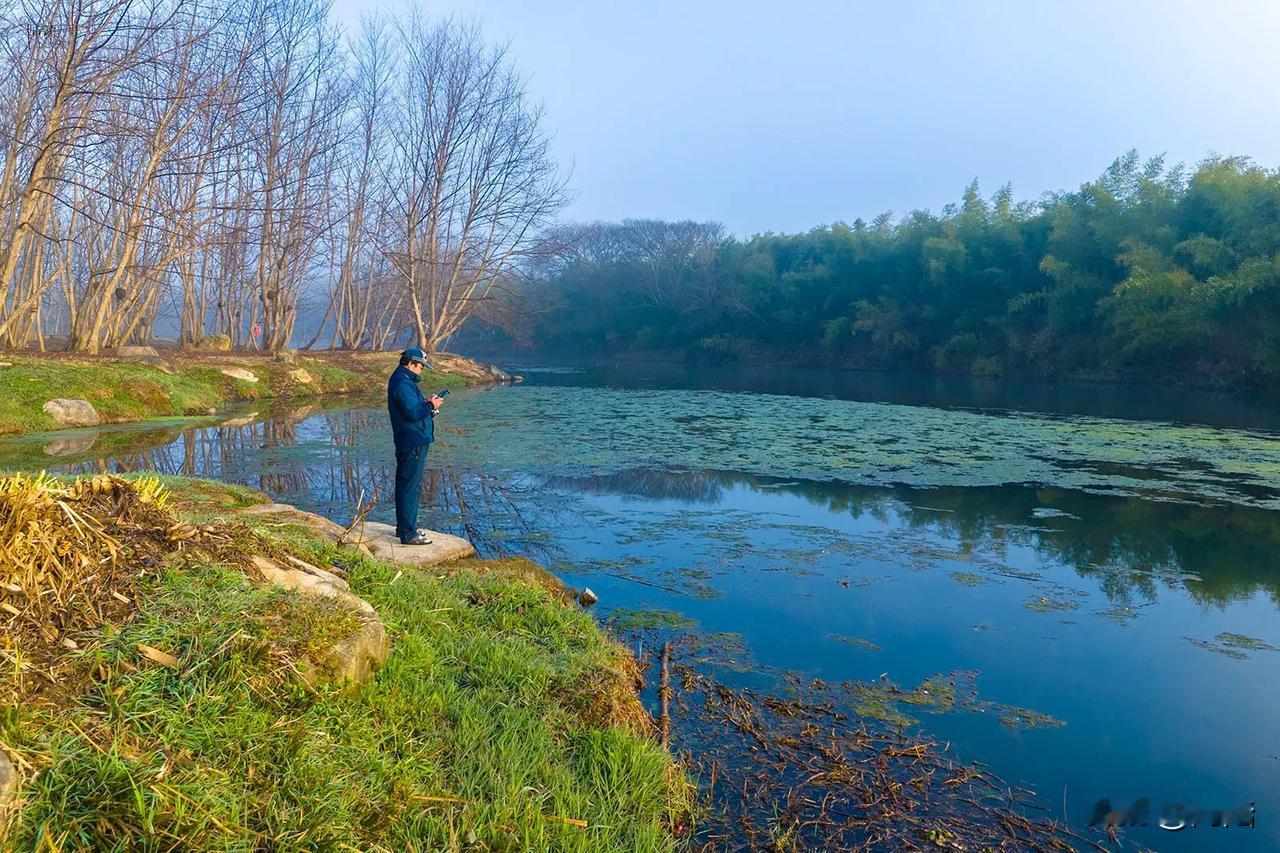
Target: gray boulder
x: 142, y: 355
x: 217, y: 343
x: 72, y: 412
x: 351, y: 661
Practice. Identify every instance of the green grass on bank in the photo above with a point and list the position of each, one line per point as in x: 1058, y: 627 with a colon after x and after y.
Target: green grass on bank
x: 118, y: 391
x: 493, y: 726
x: 130, y: 391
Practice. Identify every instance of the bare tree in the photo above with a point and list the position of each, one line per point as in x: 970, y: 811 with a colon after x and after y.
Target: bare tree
x: 292, y: 157
x: 63, y: 59
x: 356, y: 268
x: 164, y: 133
x: 231, y: 165
x: 470, y: 178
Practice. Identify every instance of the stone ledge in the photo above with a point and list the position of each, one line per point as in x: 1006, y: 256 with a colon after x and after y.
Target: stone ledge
x: 381, y: 541
x: 373, y: 538
x: 325, y: 528
x: 241, y: 373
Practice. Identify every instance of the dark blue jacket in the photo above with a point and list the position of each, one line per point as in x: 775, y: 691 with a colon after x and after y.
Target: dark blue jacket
x: 411, y: 413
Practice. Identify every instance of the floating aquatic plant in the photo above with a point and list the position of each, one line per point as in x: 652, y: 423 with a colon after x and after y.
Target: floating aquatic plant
x: 628, y: 619
x: 933, y: 447
x: 854, y: 641
x: 1240, y: 641
x: 1223, y: 650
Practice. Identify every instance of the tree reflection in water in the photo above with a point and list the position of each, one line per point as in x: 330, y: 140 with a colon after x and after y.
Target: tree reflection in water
x: 329, y: 461
x: 1220, y: 553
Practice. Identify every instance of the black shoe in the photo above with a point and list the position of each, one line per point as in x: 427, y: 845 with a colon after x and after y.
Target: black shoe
x: 419, y: 539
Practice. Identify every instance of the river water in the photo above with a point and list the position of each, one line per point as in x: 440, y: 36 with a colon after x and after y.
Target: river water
x: 1099, y: 567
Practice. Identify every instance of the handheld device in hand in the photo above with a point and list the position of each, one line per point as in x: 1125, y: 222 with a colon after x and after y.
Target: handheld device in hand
x: 444, y: 393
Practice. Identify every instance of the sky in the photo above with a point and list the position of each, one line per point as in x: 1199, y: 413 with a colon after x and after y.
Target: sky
x: 782, y: 116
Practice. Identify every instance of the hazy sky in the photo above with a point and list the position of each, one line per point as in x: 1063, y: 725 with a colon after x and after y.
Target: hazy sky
x: 778, y: 116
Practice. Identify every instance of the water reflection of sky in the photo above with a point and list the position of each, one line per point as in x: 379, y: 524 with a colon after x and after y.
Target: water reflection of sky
x: 1147, y: 713
x: 1087, y: 572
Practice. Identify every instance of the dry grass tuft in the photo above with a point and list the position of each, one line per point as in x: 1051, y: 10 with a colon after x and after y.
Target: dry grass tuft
x: 607, y: 696
x: 71, y: 557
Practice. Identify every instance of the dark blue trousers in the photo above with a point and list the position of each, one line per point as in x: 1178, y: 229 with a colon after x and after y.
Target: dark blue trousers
x: 409, y: 489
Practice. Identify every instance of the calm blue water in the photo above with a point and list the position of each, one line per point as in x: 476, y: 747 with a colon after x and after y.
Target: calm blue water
x: 1115, y: 572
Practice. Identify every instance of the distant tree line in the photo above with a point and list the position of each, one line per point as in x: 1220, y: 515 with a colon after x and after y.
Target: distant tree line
x: 237, y: 163
x: 1146, y: 269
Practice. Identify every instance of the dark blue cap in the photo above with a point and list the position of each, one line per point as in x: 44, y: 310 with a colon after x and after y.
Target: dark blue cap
x: 414, y: 354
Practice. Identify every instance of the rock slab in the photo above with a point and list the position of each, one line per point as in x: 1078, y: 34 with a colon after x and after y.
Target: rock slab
x: 353, y: 659
x: 373, y: 538
x: 318, y: 525
x: 241, y: 373
x: 8, y: 790
x: 72, y: 412
x: 304, y: 577
x: 381, y: 540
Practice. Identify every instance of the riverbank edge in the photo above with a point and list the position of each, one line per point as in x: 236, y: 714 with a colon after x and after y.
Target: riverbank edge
x: 818, y: 359
x: 591, y: 774
x: 180, y: 383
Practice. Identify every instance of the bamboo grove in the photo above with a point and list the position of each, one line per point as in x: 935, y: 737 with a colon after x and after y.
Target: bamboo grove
x: 246, y: 173
x: 1149, y: 271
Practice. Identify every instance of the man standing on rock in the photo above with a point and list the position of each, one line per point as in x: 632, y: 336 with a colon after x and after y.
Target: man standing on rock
x: 413, y: 427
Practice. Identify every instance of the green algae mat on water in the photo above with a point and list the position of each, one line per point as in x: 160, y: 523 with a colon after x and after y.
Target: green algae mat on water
x: 866, y: 443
